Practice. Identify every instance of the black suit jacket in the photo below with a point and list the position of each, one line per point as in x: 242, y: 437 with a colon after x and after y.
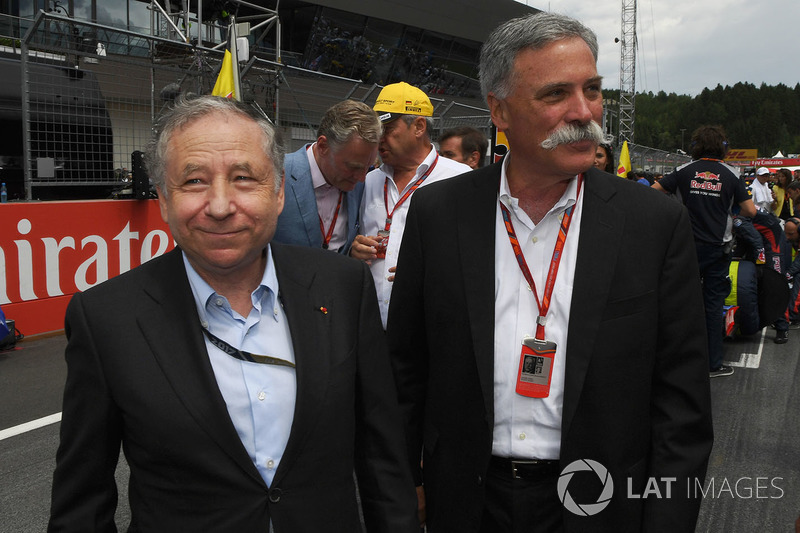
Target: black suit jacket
x: 636, y: 393
x: 139, y: 374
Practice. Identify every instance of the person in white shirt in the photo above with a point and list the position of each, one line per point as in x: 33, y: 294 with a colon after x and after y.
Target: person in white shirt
x: 409, y: 161
x: 762, y: 194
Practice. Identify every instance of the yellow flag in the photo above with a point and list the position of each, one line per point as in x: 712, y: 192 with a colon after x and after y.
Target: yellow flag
x: 225, y: 84
x: 624, y: 165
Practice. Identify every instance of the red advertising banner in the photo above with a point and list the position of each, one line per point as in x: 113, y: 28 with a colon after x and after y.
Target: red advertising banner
x: 772, y: 163
x: 50, y: 250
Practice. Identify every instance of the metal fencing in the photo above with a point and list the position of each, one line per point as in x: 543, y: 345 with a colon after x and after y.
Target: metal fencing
x: 653, y: 160
x: 90, y: 94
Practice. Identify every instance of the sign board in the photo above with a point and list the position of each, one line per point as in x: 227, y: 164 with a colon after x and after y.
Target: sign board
x: 739, y: 154
x: 50, y: 250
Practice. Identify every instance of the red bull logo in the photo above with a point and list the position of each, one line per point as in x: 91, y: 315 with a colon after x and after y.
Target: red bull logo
x: 706, y: 176
x: 704, y: 186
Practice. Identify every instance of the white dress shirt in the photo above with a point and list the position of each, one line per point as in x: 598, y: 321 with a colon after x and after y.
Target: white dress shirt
x: 530, y: 428
x: 373, y: 215
x: 327, y: 199
x: 260, y: 397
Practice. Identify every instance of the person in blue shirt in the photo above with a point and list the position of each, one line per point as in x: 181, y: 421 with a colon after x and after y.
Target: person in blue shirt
x: 245, y: 380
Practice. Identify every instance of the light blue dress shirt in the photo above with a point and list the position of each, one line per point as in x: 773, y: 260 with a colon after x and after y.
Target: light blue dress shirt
x: 260, y: 397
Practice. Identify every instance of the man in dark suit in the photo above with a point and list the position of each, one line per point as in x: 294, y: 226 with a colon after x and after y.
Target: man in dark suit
x: 325, y: 179
x: 594, y: 277
x: 245, y: 381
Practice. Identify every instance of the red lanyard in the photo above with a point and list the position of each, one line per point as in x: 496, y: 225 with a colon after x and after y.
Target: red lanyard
x: 326, y: 236
x: 405, y: 196
x: 544, y: 304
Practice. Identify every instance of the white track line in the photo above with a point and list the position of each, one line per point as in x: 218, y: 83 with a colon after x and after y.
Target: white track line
x: 751, y: 360
x: 30, y: 426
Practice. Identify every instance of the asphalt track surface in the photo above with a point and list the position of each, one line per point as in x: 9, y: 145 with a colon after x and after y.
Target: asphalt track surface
x: 753, y: 480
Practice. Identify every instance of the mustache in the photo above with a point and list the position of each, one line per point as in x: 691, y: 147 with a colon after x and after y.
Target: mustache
x: 572, y: 133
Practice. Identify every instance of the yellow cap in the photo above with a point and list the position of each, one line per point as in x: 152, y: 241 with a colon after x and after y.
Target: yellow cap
x: 402, y: 99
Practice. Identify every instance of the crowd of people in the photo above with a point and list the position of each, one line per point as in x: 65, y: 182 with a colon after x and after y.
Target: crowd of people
x: 734, y: 222
x: 456, y: 334
x: 735, y: 219
x: 341, y: 52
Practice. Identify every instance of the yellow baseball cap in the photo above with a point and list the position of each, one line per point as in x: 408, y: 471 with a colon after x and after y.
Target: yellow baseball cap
x: 402, y: 99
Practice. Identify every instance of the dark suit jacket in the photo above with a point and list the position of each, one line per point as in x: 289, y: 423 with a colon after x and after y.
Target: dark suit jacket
x: 139, y: 374
x: 636, y: 393
x: 299, y: 221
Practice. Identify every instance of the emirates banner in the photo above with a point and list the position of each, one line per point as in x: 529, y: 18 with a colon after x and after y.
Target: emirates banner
x: 50, y: 250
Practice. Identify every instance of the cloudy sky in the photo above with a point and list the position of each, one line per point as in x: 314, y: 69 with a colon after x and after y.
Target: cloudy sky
x: 687, y: 45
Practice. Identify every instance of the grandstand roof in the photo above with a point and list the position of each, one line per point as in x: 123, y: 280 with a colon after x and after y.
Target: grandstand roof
x: 468, y: 19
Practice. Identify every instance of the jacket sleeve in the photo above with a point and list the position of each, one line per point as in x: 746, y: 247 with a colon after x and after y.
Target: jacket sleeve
x: 385, y: 483
x: 408, y: 339
x: 680, y: 406
x: 84, y: 496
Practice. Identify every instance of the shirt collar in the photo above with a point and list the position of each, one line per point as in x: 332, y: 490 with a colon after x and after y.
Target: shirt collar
x: 421, y: 169
x: 203, y: 293
x: 569, y: 197
x: 317, y: 179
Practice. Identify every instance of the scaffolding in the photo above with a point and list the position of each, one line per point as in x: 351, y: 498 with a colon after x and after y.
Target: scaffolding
x: 627, y: 73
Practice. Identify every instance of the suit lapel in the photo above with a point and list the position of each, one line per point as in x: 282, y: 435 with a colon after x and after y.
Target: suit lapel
x: 172, y: 330
x: 301, y: 192
x: 600, y: 238
x: 310, y: 333
x: 477, y: 206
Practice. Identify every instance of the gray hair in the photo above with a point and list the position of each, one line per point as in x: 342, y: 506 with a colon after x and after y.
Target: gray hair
x: 188, y: 109
x: 528, y: 32
x: 349, y: 118
x: 409, y: 119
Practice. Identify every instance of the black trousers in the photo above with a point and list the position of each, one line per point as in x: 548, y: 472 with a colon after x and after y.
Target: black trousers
x: 528, y: 504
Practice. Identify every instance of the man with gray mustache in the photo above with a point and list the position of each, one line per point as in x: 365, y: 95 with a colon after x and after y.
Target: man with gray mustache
x: 546, y: 329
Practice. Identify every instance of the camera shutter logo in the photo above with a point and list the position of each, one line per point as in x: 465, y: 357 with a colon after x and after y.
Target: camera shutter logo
x: 585, y: 509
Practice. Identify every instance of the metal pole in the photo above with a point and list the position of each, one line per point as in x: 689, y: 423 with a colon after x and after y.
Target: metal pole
x: 27, y: 171
x: 26, y: 117
x: 237, y: 84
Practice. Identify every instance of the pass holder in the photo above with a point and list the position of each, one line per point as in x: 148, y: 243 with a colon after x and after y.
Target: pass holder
x: 383, y: 243
x: 535, y: 367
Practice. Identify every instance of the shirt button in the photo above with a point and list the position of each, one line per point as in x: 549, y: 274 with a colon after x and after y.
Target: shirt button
x: 262, y: 395
x: 218, y: 301
x: 535, y: 239
x: 270, y: 464
x: 522, y: 436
